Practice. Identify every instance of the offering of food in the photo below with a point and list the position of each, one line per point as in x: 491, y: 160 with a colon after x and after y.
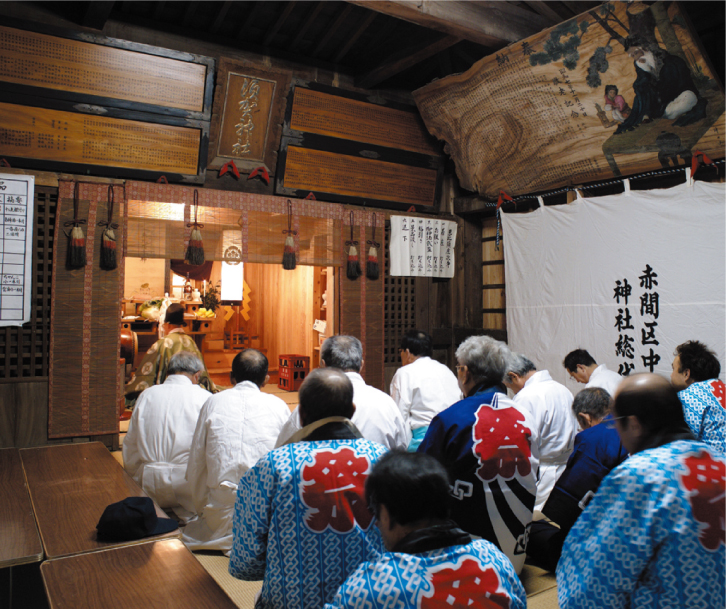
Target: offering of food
x: 151, y: 309
x: 204, y: 313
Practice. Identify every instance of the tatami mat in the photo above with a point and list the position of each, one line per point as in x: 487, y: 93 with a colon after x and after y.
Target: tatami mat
x: 217, y: 565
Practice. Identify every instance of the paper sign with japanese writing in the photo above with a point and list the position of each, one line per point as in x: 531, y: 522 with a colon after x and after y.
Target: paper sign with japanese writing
x: 16, y: 248
x: 422, y: 247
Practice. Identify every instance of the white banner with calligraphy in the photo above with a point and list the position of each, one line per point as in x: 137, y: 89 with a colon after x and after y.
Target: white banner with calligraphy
x: 17, y: 196
x: 422, y: 247
x: 627, y: 277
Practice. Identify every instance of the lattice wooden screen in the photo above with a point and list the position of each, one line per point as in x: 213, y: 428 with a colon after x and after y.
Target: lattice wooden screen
x: 494, y: 312
x: 399, y: 307
x: 24, y: 349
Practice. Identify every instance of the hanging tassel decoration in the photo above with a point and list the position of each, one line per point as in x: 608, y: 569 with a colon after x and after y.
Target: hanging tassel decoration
x: 288, y: 255
x: 195, y: 249
x: 372, y: 269
x: 77, y: 240
x: 108, y: 237
x: 353, y: 270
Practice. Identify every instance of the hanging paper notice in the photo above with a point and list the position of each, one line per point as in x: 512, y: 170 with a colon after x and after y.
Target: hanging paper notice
x: 16, y: 248
x: 422, y: 247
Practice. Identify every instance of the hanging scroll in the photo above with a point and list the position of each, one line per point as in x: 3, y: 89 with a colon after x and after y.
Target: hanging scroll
x: 16, y: 248
x: 422, y: 247
x: 621, y: 89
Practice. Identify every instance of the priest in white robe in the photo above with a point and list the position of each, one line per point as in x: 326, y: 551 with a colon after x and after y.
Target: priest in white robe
x: 550, y: 403
x: 376, y: 415
x: 235, y: 429
x: 156, y: 447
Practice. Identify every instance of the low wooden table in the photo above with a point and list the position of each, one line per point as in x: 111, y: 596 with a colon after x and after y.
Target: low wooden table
x: 19, y: 541
x: 152, y: 575
x: 70, y: 486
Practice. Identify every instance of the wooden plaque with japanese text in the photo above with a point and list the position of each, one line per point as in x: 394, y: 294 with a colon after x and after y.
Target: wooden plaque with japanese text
x: 618, y: 90
x: 340, y: 146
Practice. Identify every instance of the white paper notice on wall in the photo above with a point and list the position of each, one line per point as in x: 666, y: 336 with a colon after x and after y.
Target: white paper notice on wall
x: 17, y: 194
x: 422, y: 247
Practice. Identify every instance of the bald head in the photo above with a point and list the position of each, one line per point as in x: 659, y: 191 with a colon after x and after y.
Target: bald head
x: 249, y: 365
x: 326, y: 392
x: 653, y: 401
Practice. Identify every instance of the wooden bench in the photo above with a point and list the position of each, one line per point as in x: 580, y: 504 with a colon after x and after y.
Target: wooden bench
x: 70, y: 486
x: 152, y: 575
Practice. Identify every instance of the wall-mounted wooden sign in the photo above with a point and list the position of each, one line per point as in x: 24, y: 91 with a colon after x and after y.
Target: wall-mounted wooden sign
x: 68, y: 137
x: 342, y: 147
x: 621, y: 89
x: 248, y: 111
x: 77, y: 102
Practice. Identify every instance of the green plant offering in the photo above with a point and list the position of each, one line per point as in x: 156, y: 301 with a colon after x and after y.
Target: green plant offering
x: 211, y: 300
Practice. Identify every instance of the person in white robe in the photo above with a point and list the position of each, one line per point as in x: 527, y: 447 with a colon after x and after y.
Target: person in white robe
x: 376, y: 415
x: 156, y: 447
x: 422, y: 387
x: 584, y: 369
x: 235, y: 429
x: 550, y: 403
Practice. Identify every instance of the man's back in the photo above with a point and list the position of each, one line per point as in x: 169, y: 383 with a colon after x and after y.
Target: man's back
x: 489, y: 446
x: 376, y: 417
x: 604, y: 378
x: 156, y: 447
x: 301, y: 521
x: 653, y: 536
x: 422, y: 389
x: 235, y: 428
x: 550, y: 404
x: 704, y: 408
x: 476, y: 574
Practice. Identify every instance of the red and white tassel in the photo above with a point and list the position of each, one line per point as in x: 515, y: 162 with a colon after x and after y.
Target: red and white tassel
x: 353, y: 270
x: 76, y: 258
x: 372, y: 268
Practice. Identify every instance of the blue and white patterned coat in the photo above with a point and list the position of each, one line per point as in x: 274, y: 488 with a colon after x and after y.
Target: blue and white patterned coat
x: 653, y: 536
x: 705, y: 412
x: 301, y: 522
x: 473, y: 575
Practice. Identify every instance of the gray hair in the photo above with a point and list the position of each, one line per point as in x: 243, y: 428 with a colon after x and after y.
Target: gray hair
x: 485, y: 357
x: 594, y: 401
x: 342, y: 352
x: 184, y: 363
x: 520, y: 365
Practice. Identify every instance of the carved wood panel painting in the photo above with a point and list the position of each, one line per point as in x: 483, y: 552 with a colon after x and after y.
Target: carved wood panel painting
x: 621, y: 89
x: 248, y: 111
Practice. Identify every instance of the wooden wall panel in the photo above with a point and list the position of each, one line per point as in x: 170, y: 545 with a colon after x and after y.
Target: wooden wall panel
x: 23, y: 414
x: 282, y: 308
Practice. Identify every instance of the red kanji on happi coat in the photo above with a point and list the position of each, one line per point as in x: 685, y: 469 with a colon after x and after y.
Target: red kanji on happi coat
x: 332, y: 490
x: 501, y: 443
x: 465, y: 585
x: 706, y: 482
x: 719, y: 391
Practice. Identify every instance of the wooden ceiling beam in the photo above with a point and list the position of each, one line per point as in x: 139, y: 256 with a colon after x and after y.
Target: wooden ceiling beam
x: 306, y: 26
x: 403, y: 62
x: 189, y: 13
x: 548, y: 10
x: 221, y: 16
x: 251, y: 15
x: 332, y: 29
x: 97, y: 14
x: 159, y: 10
x: 579, y: 7
x: 279, y: 23
x: 487, y: 23
x: 352, y: 39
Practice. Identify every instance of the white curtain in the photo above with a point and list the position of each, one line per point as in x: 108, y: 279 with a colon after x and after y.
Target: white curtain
x: 568, y: 269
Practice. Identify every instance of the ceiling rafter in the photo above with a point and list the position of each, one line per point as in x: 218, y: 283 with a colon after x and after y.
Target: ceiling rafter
x: 221, y: 16
x: 97, y: 14
x: 279, y: 23
x: 352, y: 39
x: 332, y: 29
x: 404, y: 61
x: 312, y: 16
x: 487, y: 23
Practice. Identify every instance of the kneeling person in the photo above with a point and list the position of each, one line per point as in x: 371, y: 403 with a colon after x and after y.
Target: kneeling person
x: 301, y: 522
x: 409, y: 494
